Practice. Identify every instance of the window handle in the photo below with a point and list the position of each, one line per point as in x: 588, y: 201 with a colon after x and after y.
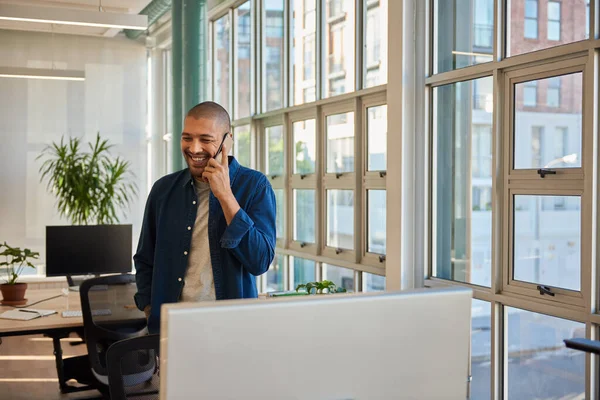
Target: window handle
x: 545, y: 290
x: 381, y: 258
x: 545, y: 171
x: 302, y: 244
x: 338, y: 250
x: 382, y: 174
x: 274, y: 176
x: 302, y: 176
x: 338, y: 175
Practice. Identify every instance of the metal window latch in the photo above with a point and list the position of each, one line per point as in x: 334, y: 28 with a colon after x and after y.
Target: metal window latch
x: 338, y: 251
x: 382, y: 174
x: 302, y: 176
x: 545, y: 290
x: 542, y: 172
x: 337, y: 175
x: 302, y: 244
x: 274, y: 176
x: 381, y: 258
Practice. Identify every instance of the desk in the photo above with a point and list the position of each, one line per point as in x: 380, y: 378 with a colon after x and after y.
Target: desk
x: 57, y: 327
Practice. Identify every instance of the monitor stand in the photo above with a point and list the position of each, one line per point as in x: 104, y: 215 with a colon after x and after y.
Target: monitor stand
x: 74, y: 284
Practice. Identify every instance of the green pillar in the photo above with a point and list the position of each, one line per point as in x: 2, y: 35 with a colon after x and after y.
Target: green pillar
x: 194, y: 52
x: 177, y: 69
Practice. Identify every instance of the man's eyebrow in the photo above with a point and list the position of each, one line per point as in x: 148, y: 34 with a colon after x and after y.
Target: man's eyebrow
x: 202, y: 135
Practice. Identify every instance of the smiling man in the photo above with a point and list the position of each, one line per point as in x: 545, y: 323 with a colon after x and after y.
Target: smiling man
x: 209, y: 229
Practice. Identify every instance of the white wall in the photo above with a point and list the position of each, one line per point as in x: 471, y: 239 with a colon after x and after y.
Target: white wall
x: 33, y: 113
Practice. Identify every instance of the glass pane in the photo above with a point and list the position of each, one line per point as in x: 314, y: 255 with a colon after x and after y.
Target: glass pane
x: 280, y: 204
x: 549, y: 136
x: 377, y: 138
x: 304, y: 215
x: 373, y: 283
x: 557, y: 25
x: 463, y: 33
x: 304, y: 146
x: 275, y: 275
x: 303, y: 55
x: 274, y: 135
x: 375, y: 43
x: 547, y: 239
x: 462, y: 221
x: 242, y: 78
x: 376, y: 235
x: 539, y: 364
x: 481, y: 349
x: 342, y: 277
x: 304, y: 271
x: 221, y: 61
x: 243, y: 145
x: 273, y: 54
x: 340, y: 219
x: 340, y: 143
x: 339, y: 47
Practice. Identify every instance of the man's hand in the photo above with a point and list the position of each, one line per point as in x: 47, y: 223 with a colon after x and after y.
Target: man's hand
x: 217, y: 175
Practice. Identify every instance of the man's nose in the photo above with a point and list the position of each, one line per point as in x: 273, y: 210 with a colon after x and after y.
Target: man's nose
x: 196, y: 147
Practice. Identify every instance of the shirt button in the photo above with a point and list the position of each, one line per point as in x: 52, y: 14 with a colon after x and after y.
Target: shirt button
x: 179, y: 279
x: 185, y: 253
x: 194, y: 202
x: 189, y: 228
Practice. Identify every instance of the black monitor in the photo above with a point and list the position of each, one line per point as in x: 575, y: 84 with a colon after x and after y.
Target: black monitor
x: 88, y: 250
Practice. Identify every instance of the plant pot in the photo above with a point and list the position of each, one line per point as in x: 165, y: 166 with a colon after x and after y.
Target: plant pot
x: 13, y: 295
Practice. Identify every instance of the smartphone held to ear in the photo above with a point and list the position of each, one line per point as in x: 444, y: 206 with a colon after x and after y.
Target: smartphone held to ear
x: 227, y: 141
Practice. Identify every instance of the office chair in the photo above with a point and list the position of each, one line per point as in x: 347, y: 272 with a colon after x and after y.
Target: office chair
x: 109, y: 315
x: 126, y: 355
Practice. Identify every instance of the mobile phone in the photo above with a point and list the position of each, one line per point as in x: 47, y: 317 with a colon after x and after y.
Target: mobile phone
x: 227, y: 139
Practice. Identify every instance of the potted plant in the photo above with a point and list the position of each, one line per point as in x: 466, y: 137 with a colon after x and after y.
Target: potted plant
x: 90, y: 187
x: 322, y: 287
x: 13, y: 292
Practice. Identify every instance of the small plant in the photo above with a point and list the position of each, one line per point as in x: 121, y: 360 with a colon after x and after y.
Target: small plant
x: 319, y: 287
x: 89, y: 186
x: 16, y: 260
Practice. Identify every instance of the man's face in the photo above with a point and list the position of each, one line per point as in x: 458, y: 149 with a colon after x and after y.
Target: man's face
x: 200, y: 141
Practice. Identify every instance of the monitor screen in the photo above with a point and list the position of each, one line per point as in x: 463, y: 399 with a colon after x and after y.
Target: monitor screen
x: 88, y: 249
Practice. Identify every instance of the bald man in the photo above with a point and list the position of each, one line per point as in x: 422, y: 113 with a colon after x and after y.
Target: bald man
x: 209, y: 229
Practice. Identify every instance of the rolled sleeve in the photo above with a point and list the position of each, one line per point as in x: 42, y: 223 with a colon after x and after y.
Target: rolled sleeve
x: 237, y: 229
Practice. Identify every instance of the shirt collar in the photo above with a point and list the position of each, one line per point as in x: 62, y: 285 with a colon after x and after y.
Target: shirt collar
x: 233, y: 167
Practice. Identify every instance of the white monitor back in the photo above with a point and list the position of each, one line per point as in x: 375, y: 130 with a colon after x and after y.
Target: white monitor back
x: 407, y: 345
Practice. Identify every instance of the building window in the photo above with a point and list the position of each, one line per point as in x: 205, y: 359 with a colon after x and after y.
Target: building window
x: 531, y: 19
x: 553, y: 92
x: 484, y: 24
x: 553, y: 20
x: 530, y: 94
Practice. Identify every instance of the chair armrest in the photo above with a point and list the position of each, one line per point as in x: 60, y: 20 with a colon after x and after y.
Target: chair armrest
x: 587, y: 345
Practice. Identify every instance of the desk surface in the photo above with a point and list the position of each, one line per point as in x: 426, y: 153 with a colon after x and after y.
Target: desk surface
x: 8, y: 327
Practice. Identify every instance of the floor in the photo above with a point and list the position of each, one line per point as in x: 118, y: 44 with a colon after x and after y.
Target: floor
x: 28, y: 369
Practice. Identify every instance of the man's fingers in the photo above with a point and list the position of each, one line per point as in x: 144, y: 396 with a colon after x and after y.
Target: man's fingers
x: 224, y: 152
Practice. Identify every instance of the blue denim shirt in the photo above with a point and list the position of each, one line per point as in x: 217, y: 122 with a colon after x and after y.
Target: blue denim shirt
x: 238, y: 252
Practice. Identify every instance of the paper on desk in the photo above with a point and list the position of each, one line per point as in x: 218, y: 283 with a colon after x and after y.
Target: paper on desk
x: 25, y: 314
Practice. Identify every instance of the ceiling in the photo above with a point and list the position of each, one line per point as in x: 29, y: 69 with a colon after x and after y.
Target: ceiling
x: 118, y: 6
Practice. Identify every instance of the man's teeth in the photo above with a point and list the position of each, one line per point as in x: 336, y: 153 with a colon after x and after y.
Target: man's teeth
x: 198, y: 159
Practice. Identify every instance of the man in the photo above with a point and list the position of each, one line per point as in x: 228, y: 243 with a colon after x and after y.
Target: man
x: 208, y: 229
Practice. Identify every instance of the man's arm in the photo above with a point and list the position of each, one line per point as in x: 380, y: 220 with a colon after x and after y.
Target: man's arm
x: 251, y: 234
x: 144, y: 256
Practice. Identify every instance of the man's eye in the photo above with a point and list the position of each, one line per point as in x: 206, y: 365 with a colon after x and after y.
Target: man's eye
x: 186, y: 139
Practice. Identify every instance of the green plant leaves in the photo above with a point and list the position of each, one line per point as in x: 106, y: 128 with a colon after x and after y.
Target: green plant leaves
x: 16, y: 260
x: 319, y: 287
x: 89, y: 186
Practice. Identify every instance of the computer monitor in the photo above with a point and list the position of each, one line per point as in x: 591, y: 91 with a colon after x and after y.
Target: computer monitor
x: 88, y: 249
x: 406, y: 345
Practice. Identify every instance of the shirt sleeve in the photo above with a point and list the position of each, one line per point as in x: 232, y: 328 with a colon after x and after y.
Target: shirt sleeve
x: 251, y: 234
x: 144, y: 256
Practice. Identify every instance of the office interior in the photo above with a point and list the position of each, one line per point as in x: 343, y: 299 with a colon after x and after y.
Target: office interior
x: 410, y: 144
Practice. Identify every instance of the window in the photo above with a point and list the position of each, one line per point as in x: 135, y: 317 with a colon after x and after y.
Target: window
x: 342, y: 277
x: 553, y: 20
x: 530, y: 94
x: 304, y: 146
x: 304, y: 271
x: 339, y: 47
x: 457, y: 45
x: 373, y: 283
x: 340, y: 219
x: 273, y: 47
x: 531, y: 19
x: 340, y: 143
x: 304, y: 215
x: 221, y: 62
x: 303, y: 53
x: 553, y: 92
x: 375, y: 43
x: 377, y: 138
x: 276, y: 275
x: 242, y: 147
x: 376, y: 231
x: 242, y: 84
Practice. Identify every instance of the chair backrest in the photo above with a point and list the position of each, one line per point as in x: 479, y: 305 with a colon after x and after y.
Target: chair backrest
x: 127, y: 356
x: 109, y: 315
